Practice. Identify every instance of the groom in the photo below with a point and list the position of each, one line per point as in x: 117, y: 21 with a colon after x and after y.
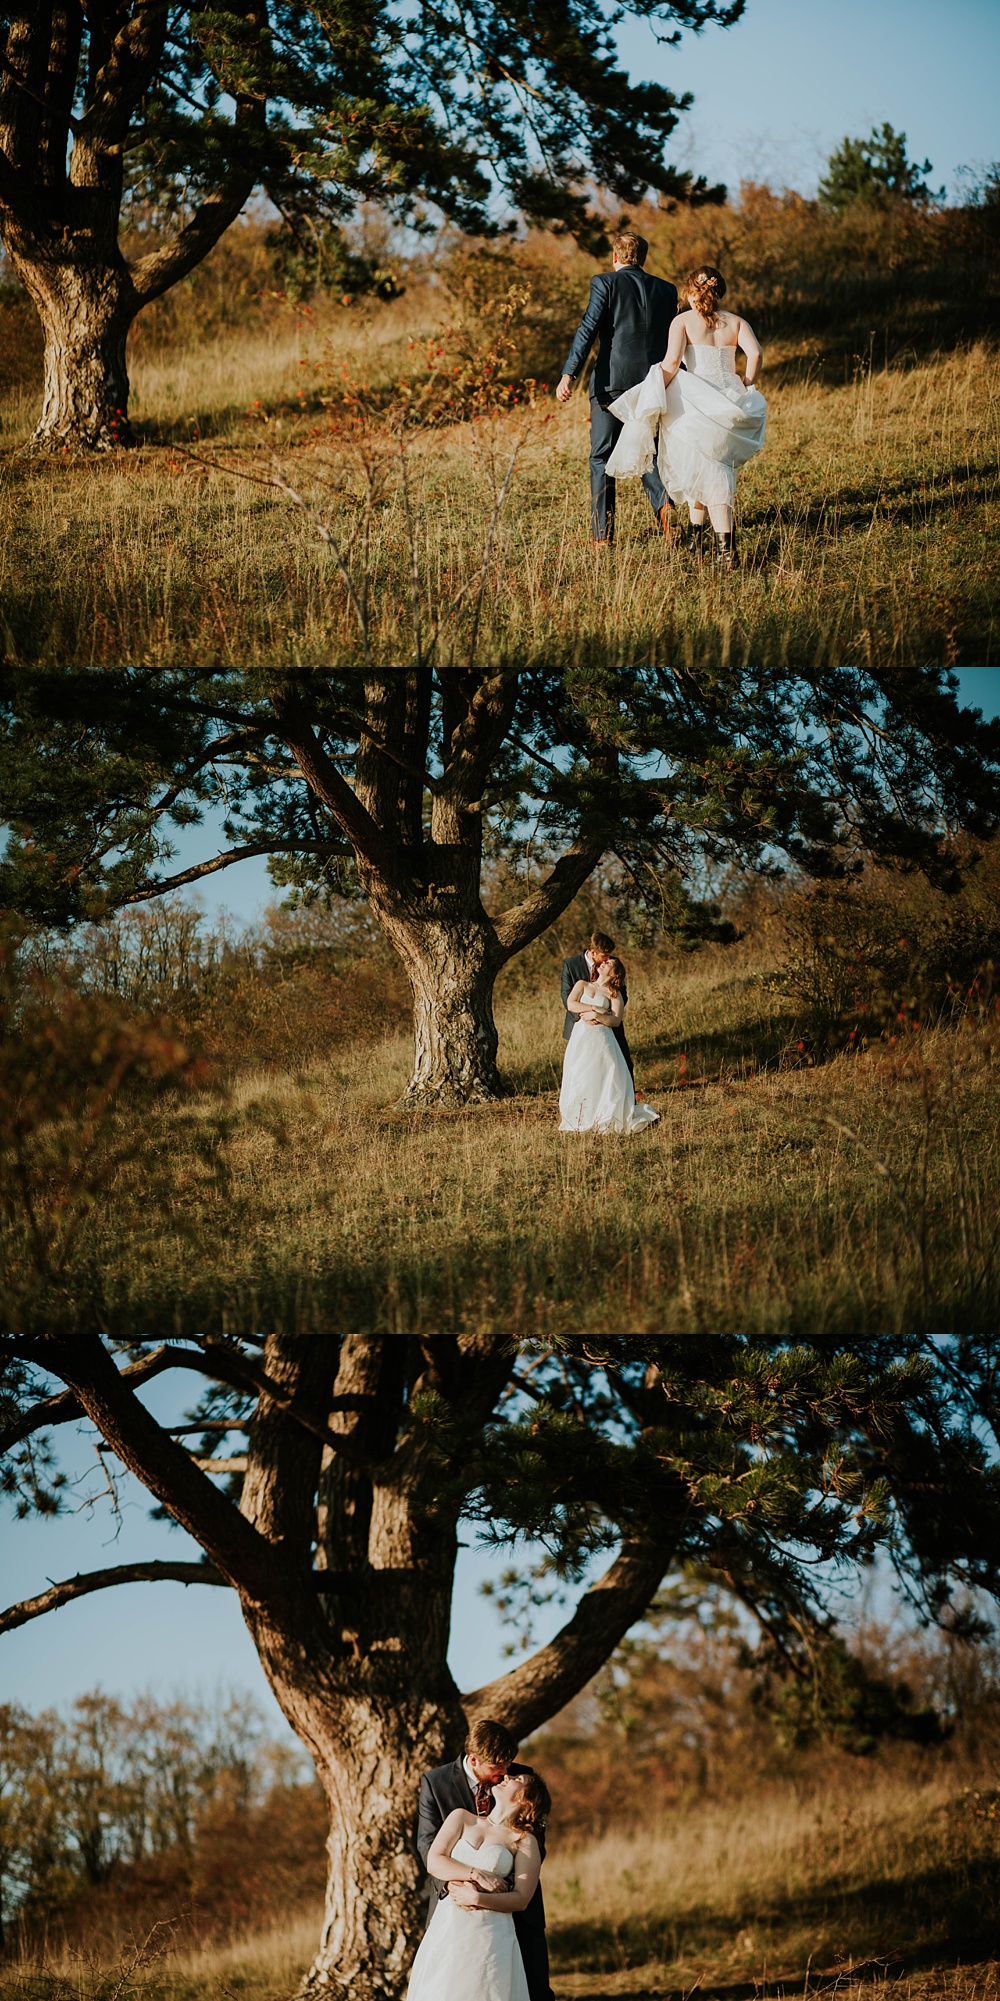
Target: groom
x: 490, y: 1751
x: 586, y: 966
x: 630, y: 313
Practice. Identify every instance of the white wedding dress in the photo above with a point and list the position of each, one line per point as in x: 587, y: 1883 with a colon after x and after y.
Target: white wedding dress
x: 597, y: 1092
x: 709, y: 424
x: 470, y: 1955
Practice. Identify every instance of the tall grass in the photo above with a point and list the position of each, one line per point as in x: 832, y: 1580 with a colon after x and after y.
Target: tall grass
x: 867, y: 527
x: 886, y: 1884
x: 777, y: 1193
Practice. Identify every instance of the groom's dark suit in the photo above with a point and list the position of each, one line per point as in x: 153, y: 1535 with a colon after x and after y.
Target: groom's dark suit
x: 441, y: 1791
x: 577, y: 969
x: 629, y: 313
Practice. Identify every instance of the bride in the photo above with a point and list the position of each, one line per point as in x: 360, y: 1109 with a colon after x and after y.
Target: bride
x: 597, y: 1092
x: 469, y: 1951
x: 709, y: 421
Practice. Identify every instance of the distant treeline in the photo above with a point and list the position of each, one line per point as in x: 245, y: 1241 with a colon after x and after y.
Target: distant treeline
x: 143, y: 1810
x: 288, y: 989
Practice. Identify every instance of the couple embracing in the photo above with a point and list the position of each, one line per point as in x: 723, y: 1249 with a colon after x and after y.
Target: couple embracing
x: 481, y: 1837
x: 666, y: 403
x: 598, y: 1080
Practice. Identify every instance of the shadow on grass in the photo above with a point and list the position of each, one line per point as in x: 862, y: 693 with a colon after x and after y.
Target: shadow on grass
x: 719, y: 1054
x: 936, y: 1915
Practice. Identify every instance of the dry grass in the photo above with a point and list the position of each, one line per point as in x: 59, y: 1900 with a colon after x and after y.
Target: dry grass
x: 775, y: 1195
x: 868, y: 526
x: 878, y: 1887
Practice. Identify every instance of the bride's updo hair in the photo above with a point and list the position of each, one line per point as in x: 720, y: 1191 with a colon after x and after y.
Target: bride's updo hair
x: 534, y: 1806
x: 614, y: 978
x: 705, y: 287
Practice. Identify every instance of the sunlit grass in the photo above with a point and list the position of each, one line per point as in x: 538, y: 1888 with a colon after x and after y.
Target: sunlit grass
x: 868, y: 527
x: 776, y: 1194
x: 885, y: 1886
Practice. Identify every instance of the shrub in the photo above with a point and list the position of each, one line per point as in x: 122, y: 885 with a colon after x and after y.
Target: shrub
x: 856, y: 951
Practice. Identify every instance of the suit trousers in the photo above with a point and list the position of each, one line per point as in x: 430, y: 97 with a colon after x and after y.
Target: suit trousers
x: 605, y: 431
x: 535, y: 1954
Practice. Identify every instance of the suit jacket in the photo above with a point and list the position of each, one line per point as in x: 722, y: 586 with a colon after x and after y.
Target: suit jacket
x: 577, y: 969
x: 629, y: 313
x: 441, y: 1791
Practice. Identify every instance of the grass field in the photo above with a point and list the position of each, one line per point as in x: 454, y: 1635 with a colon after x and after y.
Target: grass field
x: 778, y: 1193
x: 888, y: 1887
x: 868, y: 527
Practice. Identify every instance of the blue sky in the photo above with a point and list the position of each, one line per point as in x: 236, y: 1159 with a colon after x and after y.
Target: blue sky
x: 168, y: 1638
x: 777, y: 92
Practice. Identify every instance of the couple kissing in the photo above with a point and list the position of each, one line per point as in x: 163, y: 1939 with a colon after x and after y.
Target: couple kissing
x: 598, y: 1078
x: 481, y: 1837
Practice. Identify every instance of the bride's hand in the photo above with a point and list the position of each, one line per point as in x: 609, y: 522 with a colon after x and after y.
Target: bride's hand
x: 487, y: 1881
x: 464, y: 1893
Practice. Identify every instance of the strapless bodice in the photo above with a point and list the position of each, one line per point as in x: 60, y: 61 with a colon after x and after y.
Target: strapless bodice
x: 492, y: 1856
x: 713, y: 364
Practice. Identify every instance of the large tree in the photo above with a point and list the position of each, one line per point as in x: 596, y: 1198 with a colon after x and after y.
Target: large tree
x: 394, y: 785
x: 316, y: 105
x: 346, y: 1464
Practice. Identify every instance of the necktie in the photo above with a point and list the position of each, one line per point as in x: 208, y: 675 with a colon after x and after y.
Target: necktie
x: 484, y: 1800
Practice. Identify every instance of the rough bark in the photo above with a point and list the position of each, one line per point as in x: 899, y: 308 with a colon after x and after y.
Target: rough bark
x: 86, y: 310
x: 451, y: 969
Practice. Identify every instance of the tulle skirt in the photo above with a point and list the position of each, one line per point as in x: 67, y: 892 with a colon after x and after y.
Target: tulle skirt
x: 706, y: 432
x: 597, y: 1092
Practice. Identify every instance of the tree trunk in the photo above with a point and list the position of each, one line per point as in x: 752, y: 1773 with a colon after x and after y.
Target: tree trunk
x: 373, y: 1726
x: 452, y: 967
x: 86, y: 313
x: 376, y: 1883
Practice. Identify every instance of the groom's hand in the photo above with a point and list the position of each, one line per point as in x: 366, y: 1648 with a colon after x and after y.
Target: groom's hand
x: 464, y: 1894
x: 486, y: 1880
x: 564, y: 389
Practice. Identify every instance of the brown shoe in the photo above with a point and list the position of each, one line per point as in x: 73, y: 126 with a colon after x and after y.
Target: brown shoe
x: 667, y: 518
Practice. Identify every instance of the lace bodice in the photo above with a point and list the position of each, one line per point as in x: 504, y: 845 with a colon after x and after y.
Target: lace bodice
x: 713, y: 364
x: 492, y: 1856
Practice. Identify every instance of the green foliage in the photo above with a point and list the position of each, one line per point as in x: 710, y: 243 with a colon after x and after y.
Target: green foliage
x: 874, y: 171
x: 662, y: 767
x: 316, y: 257
x: 834, y: 1698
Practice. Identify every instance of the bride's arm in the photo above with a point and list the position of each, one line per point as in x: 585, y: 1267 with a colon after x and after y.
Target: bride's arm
x: 675, y: 348
x: 439, y: 1862
x: 574, y: 1002
x: 752, y: 349
x: 527, y: 1865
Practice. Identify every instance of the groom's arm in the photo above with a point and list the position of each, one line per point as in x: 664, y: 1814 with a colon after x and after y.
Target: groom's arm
x: 588, y: 329
x: 430, y: 1820
x: 568, y: 982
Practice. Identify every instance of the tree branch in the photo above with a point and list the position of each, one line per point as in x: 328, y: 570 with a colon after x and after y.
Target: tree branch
x: 321, y: 775
x: 207, y: 1360
x: 532, y: 1692
x: 200, y: 869
x: 516, y: 928
x: 100, y: 1580
x: 479, y: 736
x: 163, y: 1465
